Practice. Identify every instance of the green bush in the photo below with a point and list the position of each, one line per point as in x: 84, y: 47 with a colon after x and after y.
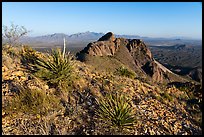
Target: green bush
x: 116, y: 111
x: 183, y: 88
x: 122, y: 71
x: 33, y: 102
x: 56, y: 68
x: 167, y: 96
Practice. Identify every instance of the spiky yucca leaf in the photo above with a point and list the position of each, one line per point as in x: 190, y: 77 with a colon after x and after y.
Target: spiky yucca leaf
x: 116, y: 110
x: 56, y: 67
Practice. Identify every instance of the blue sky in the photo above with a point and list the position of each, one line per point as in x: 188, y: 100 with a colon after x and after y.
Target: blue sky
x: 152, y: 19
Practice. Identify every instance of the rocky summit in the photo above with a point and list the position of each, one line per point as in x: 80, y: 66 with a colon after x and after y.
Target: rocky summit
x: 130, y: 52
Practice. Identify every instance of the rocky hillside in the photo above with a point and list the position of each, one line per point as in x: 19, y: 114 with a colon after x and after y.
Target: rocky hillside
x: 132, y: 53
x: 33, y: 105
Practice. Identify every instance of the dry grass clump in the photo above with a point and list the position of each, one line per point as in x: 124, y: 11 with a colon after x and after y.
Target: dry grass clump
x: 33, y: 101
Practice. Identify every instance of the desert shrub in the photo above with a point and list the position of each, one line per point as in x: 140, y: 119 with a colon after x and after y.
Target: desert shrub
x: 116, y: 111
x: 33, y: 102
x: 11, y: 51
x: 154, y: 96
x: 183, y: 88
x: 56, y: 69
x: 165, y: 95
x: 11, y: 34
x: 28, y: 55
x: 122, y: 71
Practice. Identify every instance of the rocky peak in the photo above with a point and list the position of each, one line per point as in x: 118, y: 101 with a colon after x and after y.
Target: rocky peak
x: 130, y: 52
x: 107, y: 37
x: 108, y: 45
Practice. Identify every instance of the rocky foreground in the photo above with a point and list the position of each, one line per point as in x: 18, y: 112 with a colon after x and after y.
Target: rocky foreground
x: 159, y: 110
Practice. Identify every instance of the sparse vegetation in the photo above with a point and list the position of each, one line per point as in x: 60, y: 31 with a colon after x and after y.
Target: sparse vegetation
x: 33, y: 101
x: 116, y: 111
x: 183, y: 88
x: 167, y: 96
x: 122, y: 71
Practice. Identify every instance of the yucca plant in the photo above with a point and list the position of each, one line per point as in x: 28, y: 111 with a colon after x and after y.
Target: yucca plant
x: 56, y: 67
x: 116, y: 111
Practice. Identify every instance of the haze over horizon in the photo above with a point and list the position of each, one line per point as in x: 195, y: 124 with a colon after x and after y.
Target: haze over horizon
x: 146, y: 19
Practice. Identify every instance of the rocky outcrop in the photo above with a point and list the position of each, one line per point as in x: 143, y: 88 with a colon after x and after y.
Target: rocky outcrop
x: 196, y: 74
x: 153, y: 70
x: 139, y: 51
x: 101, y: 48
x: 131, y: 52
x: 107, y: 37
x: 157, y: 71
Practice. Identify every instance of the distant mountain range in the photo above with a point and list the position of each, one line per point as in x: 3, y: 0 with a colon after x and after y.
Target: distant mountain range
x: 78, y: 37
x: 82, y: 39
